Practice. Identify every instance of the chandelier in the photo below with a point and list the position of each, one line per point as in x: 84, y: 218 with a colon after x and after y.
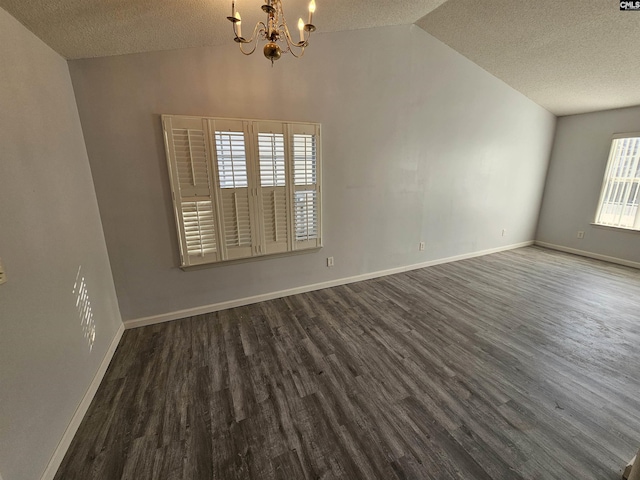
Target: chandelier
x: 273, y: 32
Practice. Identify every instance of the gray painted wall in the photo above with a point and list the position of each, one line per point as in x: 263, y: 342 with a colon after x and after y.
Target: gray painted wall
x: 419, y: 144
x: 49, y: 231
x: 578, y: 162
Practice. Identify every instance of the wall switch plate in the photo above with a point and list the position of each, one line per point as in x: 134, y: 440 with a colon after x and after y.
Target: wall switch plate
x: 504, y: 232
x: 580, y: 234
x: 421, y: 246
x: 329, y: 261
x: 3, y: 278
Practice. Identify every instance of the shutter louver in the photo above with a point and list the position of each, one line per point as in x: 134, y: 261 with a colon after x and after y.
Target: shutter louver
x: 199, y: 227
x: 191, y: 183
x: 274, y: 204
x: 619, y: 201
x: 237, y: 220
x: 191, y: 161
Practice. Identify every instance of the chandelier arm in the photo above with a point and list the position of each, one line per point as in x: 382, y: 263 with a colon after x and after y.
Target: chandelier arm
x: 254, y: 36
x: 290, y: 46
x: 255, y: 45
x: 292, y: 52
x: 290, y: 43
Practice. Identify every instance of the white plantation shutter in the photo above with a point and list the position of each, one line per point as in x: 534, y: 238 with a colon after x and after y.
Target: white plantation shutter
x: 234, y: 189
x: 273, y: 195
x: 188, y: 160
x: 306, y: 185
x: 619, y: 199
x: 199, y: 226
x: 243, y: 188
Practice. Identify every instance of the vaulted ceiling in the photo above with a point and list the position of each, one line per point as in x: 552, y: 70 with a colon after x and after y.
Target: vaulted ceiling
x: 569, y: 56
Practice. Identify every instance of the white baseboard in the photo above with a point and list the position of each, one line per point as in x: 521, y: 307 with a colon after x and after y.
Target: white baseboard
x: 583, y: 253
x: 167, y: 317
x: 80, y: 412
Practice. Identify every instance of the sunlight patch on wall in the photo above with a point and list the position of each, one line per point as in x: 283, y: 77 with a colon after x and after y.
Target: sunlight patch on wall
x: 85, y: 313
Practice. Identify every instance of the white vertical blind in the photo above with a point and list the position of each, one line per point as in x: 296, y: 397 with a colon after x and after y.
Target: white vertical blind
x: 618, y: 206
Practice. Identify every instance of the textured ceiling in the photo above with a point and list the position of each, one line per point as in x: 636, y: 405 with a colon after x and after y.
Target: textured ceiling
x: 570, y: 56
x: 97, y: 28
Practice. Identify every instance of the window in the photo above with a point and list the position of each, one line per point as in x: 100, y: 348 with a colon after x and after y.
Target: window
x: 618, y: 205
x: 243, y: 188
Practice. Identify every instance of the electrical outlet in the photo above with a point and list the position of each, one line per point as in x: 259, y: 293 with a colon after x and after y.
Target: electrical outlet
x: 3, y: 278
x: 504, y: 232
x: 421, y: 246
x: 329, y: 261
x: 580, y: 234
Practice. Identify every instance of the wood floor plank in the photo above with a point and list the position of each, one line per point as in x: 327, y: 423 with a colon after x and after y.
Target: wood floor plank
x: 520, y: 365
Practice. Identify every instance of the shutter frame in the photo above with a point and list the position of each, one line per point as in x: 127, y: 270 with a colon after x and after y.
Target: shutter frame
x: 236, y: 205
x: 273, y: 199
x: 224, y: 221
x: 313, y: 188
x: 196, y: 222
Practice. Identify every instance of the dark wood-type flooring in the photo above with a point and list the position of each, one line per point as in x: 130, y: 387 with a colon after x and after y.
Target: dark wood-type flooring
x: 518, y: 365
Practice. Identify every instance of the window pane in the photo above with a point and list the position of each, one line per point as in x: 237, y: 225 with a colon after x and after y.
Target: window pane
x: 304, y: 159
x: 232, y: 159
x: 306, y: 214
x: 271, y: 153
x: 619, y: 201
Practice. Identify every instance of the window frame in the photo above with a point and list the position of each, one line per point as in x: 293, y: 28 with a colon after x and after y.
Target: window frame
x: 607, y: 178
x: 262, y: 215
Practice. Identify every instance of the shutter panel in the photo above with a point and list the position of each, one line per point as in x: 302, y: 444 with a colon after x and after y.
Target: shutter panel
x: 306, y: 185
x: 191, y: 178
x: 234, y: 188
x: 273, y: 194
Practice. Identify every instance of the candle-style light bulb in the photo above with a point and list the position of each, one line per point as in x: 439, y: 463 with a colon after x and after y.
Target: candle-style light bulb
x: 301, y: 28
x: 312, y: 9
x: 239, y: 25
